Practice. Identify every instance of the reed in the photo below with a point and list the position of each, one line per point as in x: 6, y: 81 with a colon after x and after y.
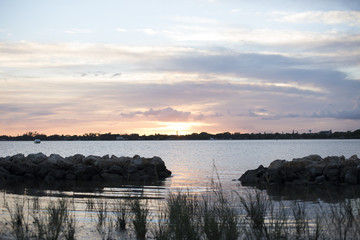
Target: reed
x: 54, y: 222
x: 214, y: 215
x: 182, y: 212
x: 104, y: 224
x: 120, y: 214
x: 19, y: 224
x: 141, y: 214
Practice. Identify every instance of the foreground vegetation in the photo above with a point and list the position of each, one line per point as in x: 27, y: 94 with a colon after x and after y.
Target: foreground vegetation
x: 30, y: 136
x: 185, y: 216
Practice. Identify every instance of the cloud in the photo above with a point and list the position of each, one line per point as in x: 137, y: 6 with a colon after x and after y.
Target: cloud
x: 121, y: 30
x: 353, y: 113
x: 351, y: 18
x: 221, y: 105
x: 132, y: 85
x: 168, y: 115
x: 99, y: 74
x: 331, y: 113
x: 4, y: 32
x: 246, y: 36
x: 196, y: 20
x: 148, y: 31
x: 304, y: 74
x: 78, y: 31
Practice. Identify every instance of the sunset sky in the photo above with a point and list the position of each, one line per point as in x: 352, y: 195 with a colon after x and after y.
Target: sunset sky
x: 162, y: 66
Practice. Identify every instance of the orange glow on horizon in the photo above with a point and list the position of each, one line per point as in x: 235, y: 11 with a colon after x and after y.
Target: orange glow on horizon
x: 141, y: 128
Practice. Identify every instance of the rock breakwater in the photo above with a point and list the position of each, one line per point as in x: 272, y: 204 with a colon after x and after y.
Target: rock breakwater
x: 310, y: 170
x: 53, y: 168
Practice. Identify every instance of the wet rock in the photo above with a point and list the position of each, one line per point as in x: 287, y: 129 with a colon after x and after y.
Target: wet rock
x: 54, y: 158
x: 4, y: 174
x: 332, y: 175
x: 91, y: 160
x: 137, y: 161
x: 36, y: 158
x: 276, y: 164
x: 351, y: 176
x: 309, y: 170
x: 253, y: 176
x: 111, y: 177
x: 78, y: 167
x: 18, y: 158
x: 76, y: 159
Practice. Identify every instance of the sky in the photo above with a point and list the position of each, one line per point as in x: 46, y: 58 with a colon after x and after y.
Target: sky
x: 163, y: 66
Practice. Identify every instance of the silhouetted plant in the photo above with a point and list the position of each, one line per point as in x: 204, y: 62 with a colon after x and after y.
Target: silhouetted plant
x: 18, y: 222
x: 141, y: 213
x: 104, y: 224
x: 120, y: 214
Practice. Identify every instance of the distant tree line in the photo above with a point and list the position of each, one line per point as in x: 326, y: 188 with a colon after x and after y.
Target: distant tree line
x: 30, y: 136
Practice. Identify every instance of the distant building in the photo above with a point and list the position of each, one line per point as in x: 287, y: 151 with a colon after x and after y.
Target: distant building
x: 119, y: 138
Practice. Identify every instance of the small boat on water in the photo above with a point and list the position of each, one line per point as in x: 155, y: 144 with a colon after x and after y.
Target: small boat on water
x: 37, y: 141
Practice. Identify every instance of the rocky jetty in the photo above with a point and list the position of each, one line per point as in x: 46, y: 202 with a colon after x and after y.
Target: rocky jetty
x: 310, y: 170
x: 55, y: 168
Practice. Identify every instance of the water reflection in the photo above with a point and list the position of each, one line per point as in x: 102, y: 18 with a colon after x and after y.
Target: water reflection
x: 324, y: 193
x: 83, y: 189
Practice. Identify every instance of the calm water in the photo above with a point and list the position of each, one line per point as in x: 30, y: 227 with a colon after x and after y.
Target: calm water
x: 192, y: 162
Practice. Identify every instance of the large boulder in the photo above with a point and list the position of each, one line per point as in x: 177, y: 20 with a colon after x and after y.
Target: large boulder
x: 78, y: 167
x: 4, y: 174
x: 36, y: 158
x: 18, y: 158
x: 54, y: 159
x: 253, y: 176
x: 308, y: 170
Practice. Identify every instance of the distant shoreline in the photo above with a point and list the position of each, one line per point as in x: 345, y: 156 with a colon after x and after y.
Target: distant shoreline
x: 31, y: 136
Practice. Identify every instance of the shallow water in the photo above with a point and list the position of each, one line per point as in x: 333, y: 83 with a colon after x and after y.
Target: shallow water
x: 194, y: 164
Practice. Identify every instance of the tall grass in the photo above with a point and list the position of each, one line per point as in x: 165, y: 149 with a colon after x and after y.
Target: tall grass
x: 121, y: 213
x: 141, y: 214
x: 215, y: 215
x: 51, y: 223
x: 19, y: 224
x: 104, y: 224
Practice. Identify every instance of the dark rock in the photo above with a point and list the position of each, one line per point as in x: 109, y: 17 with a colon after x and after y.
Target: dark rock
x: 70, y: 176
x: 276, y: 164
x: 4, y: 174
x: 315, y: 170
x: 43, y: 170
x: 309, y: 170
x: 253, y: 176
x: 18, y: 158
x: 58, y: 174
x: 332, y: 175
x: 97, y: 178
x: 76, y: 159
x: 116, y: 169
x: 78, y: 167
x: 85, y: 172
x: 61, y: 162
x: 110, y: 177
x: 54, y: 158
x: 91, y: 160
x: 36, y: 158
x: 29, y: 176
x: 319, y: 179
x: 49, y: 178
x: 23, y: 168
x: 351, y: 177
